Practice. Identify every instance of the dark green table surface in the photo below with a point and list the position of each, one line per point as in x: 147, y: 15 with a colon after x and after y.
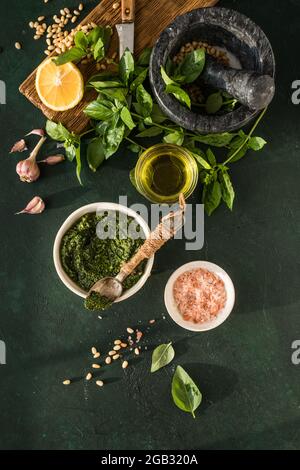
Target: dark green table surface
x: 250, y: 386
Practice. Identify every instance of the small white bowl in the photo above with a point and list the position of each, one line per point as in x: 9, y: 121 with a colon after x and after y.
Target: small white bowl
x: 172, y: 307
x: 72, y: 219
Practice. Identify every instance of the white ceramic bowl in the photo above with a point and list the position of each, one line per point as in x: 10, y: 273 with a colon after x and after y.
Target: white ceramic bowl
x: 71, y: 220
x: 172, y: 307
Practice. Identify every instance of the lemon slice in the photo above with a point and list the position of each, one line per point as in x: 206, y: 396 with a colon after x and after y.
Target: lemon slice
x: 59, y: 87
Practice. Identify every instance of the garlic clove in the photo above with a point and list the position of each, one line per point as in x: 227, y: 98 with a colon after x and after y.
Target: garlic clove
x: 35, y: 206
x: 53, y: 159
x: 19, y: 146
x: 39, y: 132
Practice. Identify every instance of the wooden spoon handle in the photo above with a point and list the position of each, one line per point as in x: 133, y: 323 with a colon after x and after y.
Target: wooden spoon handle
x: 128, y: 11
x: 167, y: 228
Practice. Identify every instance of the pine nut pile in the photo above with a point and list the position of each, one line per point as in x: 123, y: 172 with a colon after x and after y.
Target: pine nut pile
x: 59, y: 39
x: 119, y: 349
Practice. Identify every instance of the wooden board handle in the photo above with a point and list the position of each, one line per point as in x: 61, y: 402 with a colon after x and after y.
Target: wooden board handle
x: 128, y: 11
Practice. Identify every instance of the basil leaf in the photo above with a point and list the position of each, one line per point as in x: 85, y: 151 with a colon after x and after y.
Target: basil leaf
x: 200, y: 158
x: 115, y: 94
x: 176, y: 138
x: 144, y: 100
x: 237, y: 143
x: 213, y: 103
x: 150, y: 132
x: 99, y: 77
x: 144, y: 57
x: 179, y: 94
x: 94, y: 35
x: 139, y: 80
x: 113, y: 136
x: 191, y: 67
x: 166, y: 78
x: 127, y: 118
x: 226, y: 188
x: 170, y: 67
x: 162, y: 356
x: 99, y: 51
x: 95, y: 154
x: 57, y: 131
x: 98, y: 111
x: 211, y: 157
x: 70, y: 151
x: 132, y: 178
x: 186, y: 395
x: 157, y: 116
x: 216, y: 140
x: 99, y: 85
x: 256, y: 143
x: 126, y: 67
x: 81, y: 41
x: 211, y: 196
x: 72, y: 55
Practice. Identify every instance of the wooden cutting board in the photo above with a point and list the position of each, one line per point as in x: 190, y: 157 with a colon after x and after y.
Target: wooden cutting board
x: 152, y: 16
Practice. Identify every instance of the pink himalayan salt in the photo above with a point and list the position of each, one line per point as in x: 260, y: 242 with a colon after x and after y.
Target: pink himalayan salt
x: 199, y: 295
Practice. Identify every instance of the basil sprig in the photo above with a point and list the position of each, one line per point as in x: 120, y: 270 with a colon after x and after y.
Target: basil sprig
x: 96, y: 42
x: 162, y: 356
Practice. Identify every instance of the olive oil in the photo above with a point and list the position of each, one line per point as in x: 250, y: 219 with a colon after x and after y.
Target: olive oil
x: 164, y: 171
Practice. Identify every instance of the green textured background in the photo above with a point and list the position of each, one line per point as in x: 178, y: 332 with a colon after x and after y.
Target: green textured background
x: 250, y: 387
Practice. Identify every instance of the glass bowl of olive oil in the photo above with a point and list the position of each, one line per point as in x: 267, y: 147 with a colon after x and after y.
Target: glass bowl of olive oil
x: 164, y: 171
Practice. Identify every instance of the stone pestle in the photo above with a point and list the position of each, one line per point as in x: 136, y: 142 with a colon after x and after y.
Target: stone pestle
x: 251, y: 89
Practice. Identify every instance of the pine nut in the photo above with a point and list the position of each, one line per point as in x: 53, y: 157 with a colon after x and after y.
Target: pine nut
x: 96, y: 366
x: 116, y: 357
x: 96, y: 355
x: 76, y: 12
x: 67, y: 11
x: 47, y: 52
x: 31, y: 24
x: 18, y: 46
x: 112, y: 353
x: 124, y: 365
x: 67, y: 382
x: 48, y: 42
x: 58, y: 50
x: 36, y: 37
x: 41, y: 18
x: 94, y: 350
x: 117, y: 341
x: 123, y: 345
x: 74, y: 19
x: 51, y: 48
x: 117, y: 347
x: 100, y: 383
x: 136, y: 351
x: 151, y: 322
x: 89, y: 376
x: 130, y: 330
x: 108, y: 360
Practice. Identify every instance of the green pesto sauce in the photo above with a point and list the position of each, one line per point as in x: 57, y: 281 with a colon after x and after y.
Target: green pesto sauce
x: 95, y: 301
x: 86, y: 258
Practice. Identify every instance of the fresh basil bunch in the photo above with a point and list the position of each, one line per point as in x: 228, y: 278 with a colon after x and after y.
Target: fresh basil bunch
x: 125, y: 111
